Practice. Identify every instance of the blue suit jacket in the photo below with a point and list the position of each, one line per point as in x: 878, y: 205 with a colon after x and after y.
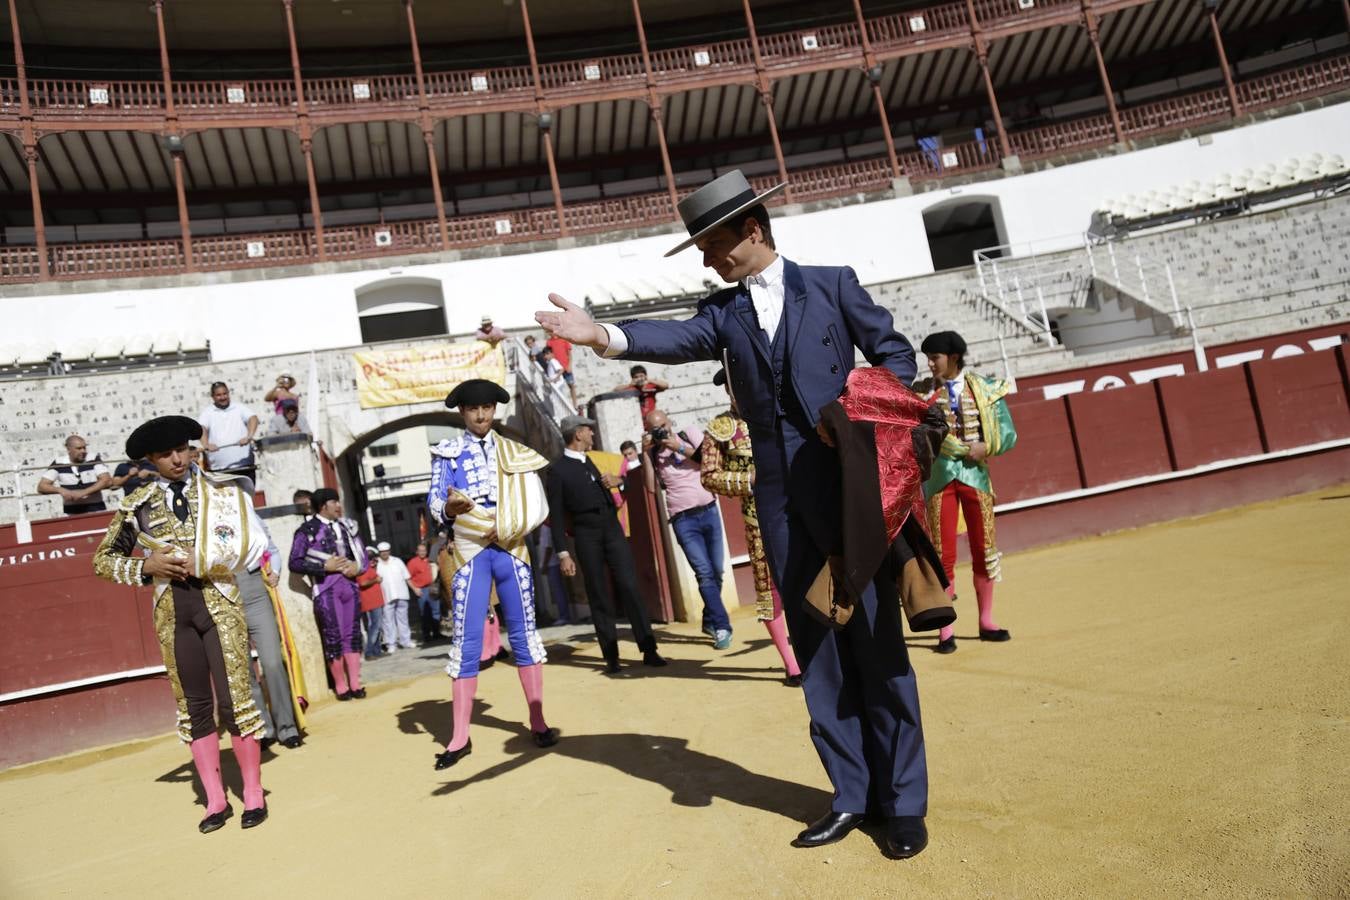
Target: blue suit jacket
x: 826, y: 313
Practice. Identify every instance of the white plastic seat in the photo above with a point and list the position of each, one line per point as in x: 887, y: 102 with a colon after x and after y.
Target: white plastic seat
x: 109, y: 348
x: 137, y: 345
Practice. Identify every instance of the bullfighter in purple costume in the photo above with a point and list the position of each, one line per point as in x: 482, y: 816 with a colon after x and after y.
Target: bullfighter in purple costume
x: 329, y: 550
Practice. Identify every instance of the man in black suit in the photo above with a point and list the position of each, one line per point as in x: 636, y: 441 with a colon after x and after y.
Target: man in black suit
x: 579, y: 496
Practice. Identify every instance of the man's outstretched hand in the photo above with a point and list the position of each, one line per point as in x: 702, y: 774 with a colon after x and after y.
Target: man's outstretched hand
x: 571, y: 323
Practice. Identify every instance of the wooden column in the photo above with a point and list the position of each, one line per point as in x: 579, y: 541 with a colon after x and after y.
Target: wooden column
x: 982, y: 54
x: 428, y: 133
x: 302, y: 127
x: 30, y: 151
x: 1345, y: 4
x: 873, y: 72
x: 545, y: 125
x: 176, y: 142
x: 1090, y: 23
x: 766, y: 97
x: 1212, y: 7
x: 654, y: 107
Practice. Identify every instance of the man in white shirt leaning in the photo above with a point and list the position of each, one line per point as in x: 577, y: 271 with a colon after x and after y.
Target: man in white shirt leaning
x: 395, y: 581
x: 227, y: 433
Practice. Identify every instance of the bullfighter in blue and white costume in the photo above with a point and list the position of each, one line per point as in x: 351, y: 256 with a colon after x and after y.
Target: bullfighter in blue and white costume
x: 487, y: 488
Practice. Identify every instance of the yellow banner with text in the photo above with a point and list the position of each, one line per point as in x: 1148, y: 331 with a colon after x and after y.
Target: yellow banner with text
x: 423, y: 374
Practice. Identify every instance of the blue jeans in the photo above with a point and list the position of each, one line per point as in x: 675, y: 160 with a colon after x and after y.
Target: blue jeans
x: 700, y: 536
x: 430, y: 608
x: 374, y: 621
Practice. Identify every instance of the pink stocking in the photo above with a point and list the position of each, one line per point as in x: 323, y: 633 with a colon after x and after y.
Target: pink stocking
x: 206, y: 757
x: 778, y: 631
x: 492, y: 640
x: 353, y: 661
x: 248, y: 753
x: 462, y: 693
x: 339, y: 675
x: 984, y: 598
x: 532, y: 682
x: 946, y: 632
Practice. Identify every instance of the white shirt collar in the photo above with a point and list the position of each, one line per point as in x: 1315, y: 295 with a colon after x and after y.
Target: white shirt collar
x: 166, y: 482
x: 772, y: 274
x: 324, y: 519
x: 575, y: 454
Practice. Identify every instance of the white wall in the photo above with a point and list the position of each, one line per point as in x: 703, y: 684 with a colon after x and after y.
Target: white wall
x: 883, y: 240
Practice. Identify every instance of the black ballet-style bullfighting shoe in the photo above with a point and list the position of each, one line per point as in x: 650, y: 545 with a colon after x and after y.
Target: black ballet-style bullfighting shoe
x: 653, y: 659
x: 345, y: 695
x: 450, y: 757
x: 906, y: 836
x: 793, y: 681
x: 252, y: 818
x: 215, y: 821
x: 546, y: 738
x: 831, y: 827
x: 997, y: 635
x: 947, y: 645
x: 358, y: 694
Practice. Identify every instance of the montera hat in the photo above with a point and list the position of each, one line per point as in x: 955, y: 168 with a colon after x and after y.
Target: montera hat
x: 720, y: 378
x: 943, y: 342
x: 476, y: 392
x: 320, y: 497
x: 162, y: 433
x: 717, y: 201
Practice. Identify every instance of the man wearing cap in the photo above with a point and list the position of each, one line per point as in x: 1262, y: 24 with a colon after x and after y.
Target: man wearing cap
x: 198, y: 531
x: 489, y: 332
x: 289, y: 420
x: 787, y: 335
x: 582, y: 498
x: 979, y: 428
x: 486, y: 487
x: 394, y: 577
x: 329, y: 549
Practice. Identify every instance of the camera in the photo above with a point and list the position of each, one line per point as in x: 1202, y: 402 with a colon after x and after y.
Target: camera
x: 659, y: 434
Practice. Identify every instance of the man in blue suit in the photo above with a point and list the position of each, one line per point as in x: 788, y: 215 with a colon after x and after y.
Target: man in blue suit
x: 786, y: 334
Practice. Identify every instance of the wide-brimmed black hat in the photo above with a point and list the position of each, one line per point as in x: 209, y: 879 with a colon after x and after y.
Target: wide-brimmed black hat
x: 943, y: 342
x: 476, y: 392
x: 720, y: 199
x: 162, y: 433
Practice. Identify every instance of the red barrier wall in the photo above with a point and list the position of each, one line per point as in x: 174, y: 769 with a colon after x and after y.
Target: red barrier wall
x: 1120, y: 434
x: 1302, y: 399
x: 1045, y: 460
x: 1210, y: 416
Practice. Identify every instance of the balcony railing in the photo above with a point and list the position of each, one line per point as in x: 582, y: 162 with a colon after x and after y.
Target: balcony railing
x: 236, y: 251
x: 465, y: 90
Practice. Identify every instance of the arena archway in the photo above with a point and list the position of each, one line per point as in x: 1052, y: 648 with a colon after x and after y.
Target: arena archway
x: 956, y: 228
x: 394, y: 309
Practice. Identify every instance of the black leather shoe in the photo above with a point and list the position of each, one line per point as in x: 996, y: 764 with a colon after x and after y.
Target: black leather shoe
x: 450, y: 757
x: 502, y: 654
x: 612, y: 664
x: 294, y: 742
x: 654, y: 659
x: 253, y: 817
x: 998, y: 635
x: 906, y: 836
x: 358, y: 694
x: 345, y: 695
x: 793, y: 681
x: 831, y: 827
x: 215, y: 821
x: 546, y: 738
x: 266, y: 742
x: 947, y: 646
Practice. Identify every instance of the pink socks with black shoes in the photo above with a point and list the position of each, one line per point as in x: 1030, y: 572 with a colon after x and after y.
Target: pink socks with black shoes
x: 206, y: 757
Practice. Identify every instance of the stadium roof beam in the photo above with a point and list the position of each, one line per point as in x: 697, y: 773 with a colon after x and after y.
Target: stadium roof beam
x: 766, y: 97
x: 428, y: 128
x: 173, y: 139
x: 982, y: 54
x: 1090, y: 22
x: 874, y: 72
x: 1212, y: 8
x: 545, y: 119
x: 654, y: 108
x: 303, y: 129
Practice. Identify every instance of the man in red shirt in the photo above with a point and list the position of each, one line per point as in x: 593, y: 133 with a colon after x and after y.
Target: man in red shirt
x: 562, y: 352
x: 372, y: 606
x: 420, y: 580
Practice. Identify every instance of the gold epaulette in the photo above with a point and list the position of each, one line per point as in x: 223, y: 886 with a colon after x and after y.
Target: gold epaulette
x: 722, y: 428
x: 132, y: 502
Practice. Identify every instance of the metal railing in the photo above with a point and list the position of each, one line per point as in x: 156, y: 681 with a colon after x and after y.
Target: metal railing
x: 112, y: 259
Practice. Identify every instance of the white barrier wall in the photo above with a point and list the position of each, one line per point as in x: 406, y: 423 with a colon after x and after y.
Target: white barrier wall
x: 245, y: 316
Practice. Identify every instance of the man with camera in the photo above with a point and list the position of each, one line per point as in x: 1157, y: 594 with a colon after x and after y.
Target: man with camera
x: 675, y: 463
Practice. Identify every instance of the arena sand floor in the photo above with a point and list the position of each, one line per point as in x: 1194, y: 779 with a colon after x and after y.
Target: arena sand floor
x: 1169, y: 719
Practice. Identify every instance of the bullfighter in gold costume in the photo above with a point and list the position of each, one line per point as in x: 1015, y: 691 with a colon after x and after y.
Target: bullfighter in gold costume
x: 198, y: 531
x: 728, y: 469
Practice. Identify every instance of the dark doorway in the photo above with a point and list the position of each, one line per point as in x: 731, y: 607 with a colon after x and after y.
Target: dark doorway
x: 955, y: 231
x: 402, y: 325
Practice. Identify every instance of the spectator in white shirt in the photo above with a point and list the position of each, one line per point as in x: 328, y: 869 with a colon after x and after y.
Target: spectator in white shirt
x: 395, y: 580
x: 227, y: 433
